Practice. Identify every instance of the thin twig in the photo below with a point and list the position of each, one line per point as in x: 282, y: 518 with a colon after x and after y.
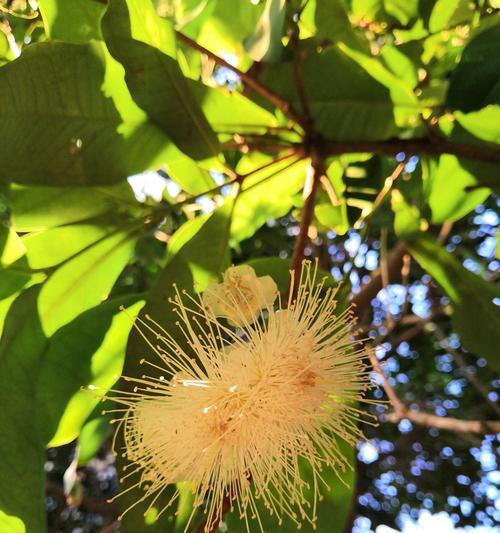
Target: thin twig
x: 388, y: 183
x: 256, y: 85
x: 444, y: 232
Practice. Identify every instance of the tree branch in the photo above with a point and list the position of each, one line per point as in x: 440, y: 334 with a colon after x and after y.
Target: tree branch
x: 483, y: 427
x: 315, y: 171
x: 425, y: 146
x: 258, y: 87
x: 401, y: 410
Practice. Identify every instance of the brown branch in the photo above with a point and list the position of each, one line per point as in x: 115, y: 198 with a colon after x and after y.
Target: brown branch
x: 391, y: 147
x: 315, y: 171
x: 426, y: 419
x: 483, y: 427
x: 257, y: 86
x: 398, y: 406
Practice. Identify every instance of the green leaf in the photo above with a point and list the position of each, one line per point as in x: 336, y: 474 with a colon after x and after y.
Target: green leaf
x: 92, y: 435
x: 84, y: 281
x: 402, y: 10
x: 30, y: 366
x: 399, y: 64
x: 190, y: 176
x: 22, y: 450
x: 12, y: 524
x: 406, y: 105
x: 333, y: 216
x: 351, y: 96
x: 73, y: 21
x: 229, y: 111
x: 201, y: 254
x: 12, y: 282
x: 262, y: 198
x: 332, y: 22
x: 87, y: 132
x: 483, y: 124
x: 51, y: 247
x: 90, y: 350
x: 475, y: 82
x: 265, y: 43
x: 475, y: 317
x: 226, y: 25
x: 38, y: 208
x: 445, y: 182
x: 138, y: 20
x: 155, y: 79
x: 11, y: 246
x: 367, y: 10
x: 445, y: 12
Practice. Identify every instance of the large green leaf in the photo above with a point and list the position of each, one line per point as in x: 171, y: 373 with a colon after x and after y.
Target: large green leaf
x: 332, y: 22
x: 475, y: 317
x: 229, y: 111
x: 263, y: 198
x: 154, y: 78
x: 74, y: 21
x: 90, y: 350
x: 201, y: 254
x: 351, y: 95
x: 12, y: 283
x: 22, y: 476
x: 265, y: 43
x: 51, y: 247
x: 37, y: 208
x: 11, y: 246
x: 226, y: 24
x: 475, y: 82
x: 445, y: 182
x: 77, y: 125
x: 30, y: 366
x: 483, y: 124
x: 84, y: 281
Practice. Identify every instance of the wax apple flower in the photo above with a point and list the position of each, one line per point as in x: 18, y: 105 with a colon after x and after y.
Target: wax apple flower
x: 241, y: 296
x: 236, y: 422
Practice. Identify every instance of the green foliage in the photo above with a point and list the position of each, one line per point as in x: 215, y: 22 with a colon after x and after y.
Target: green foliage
x: 475, y: 316
x: 92, y: 92
x: 474, y: 83
x: 141, y: 44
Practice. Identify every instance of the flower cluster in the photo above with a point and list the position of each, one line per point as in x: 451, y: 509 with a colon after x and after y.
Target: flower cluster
x: 248, y: 398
